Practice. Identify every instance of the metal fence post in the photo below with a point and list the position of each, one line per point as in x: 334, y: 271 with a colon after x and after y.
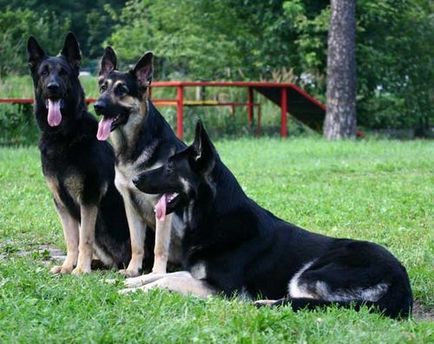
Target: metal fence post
x: 180, y: 112
x: 284, y: 110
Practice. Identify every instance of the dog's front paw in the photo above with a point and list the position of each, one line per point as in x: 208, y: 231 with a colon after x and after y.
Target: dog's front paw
x: 56, y: 269
x: 133, y: 282
x: 142, y: 280
x: 60, y: 269
x: 80, y: 270
x: 129, y: 272
x: 126, y: 291
x: 145, y: 288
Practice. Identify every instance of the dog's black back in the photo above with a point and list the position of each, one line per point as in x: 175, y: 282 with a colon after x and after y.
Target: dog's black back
x: 74, y: 162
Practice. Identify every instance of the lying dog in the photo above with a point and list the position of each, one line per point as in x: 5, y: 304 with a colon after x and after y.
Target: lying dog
x: 232, y: 245
x: 77, y: 167
x: 142, y: 140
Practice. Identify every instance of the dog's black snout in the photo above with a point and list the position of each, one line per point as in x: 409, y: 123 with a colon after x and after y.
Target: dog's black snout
x: 53, y: 86
x: 99, y: 106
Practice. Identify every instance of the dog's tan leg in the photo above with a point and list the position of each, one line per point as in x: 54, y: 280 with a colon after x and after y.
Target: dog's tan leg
x: 137, y: 234
x: 162, y: 243
x: 70, y: 232
x: 87, y: 236
x: 180, y: 282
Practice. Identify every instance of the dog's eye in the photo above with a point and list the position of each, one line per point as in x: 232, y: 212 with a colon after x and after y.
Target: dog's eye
x: 44, y: 72
x: 122, y: 89
x: 62, y: 71
x: 103, y: 88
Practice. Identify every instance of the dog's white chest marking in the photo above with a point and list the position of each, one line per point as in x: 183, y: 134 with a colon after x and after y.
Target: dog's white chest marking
x: 198, y: 270
x: 124, y: 176
x: 144, y: 203
x: 125, y: 173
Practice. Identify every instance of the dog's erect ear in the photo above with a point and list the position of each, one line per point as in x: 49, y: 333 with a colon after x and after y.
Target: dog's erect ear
x: 205, y: 155
x: 108, y: 62
x: 144, y: 69
x: 71, y: 50
x: 34, y: 52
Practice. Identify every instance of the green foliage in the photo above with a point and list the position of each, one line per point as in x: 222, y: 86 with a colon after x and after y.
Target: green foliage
x: 89, y: 20
x: 282, y: 40
x: 377, y: 190
x: 265, y: 39
x: 17, y: 125
x: 15, y: 28
x: 396, y: 62
x: 205, y: 40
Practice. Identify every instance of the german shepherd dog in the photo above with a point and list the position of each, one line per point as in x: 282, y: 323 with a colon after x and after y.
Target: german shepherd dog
x: 78, y: 168
x: 232, y: 245
x: 142, y: 140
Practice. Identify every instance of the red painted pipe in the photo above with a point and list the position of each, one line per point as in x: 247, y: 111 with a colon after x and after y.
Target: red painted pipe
x: 284, y: 110
x: 180, y: 112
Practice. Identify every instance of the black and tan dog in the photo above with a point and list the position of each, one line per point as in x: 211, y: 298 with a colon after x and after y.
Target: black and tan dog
x: 78, y: 168
x: 232, y: 245
x: 142, y: 140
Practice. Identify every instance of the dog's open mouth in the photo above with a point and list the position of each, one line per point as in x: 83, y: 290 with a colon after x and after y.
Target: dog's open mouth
x: 54, y: 105
x: 108, y: 124
x: 167, y: 204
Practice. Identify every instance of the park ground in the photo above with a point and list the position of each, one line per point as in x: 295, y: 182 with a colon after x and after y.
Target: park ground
x: 374, y: 190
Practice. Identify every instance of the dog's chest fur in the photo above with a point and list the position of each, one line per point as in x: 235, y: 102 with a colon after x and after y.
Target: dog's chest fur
x: 142, y: 203
x: 72, y: 185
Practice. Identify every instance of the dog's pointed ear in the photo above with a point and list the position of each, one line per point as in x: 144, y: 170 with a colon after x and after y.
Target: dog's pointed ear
x: 204, y: 157
x: 143, y: 70
x: 34, y: 52
x: 109, y: 62
x: 71, y: 50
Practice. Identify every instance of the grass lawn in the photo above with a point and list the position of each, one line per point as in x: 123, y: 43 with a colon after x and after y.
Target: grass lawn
x: 377, y: 190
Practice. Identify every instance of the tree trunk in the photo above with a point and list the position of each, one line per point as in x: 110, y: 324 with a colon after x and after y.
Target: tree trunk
x: 340, y: 121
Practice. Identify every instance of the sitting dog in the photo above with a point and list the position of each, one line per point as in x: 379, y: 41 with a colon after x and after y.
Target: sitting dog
x: 233, y: 246
x: 142, y: 140
x: 78, y: 168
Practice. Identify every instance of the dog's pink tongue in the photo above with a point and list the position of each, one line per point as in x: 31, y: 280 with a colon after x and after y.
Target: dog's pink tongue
x: 160, y: 208
x: 54, y: 114
x: 104, y: 128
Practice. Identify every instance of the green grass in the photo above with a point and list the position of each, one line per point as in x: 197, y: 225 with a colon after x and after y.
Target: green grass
x: 375, y: 190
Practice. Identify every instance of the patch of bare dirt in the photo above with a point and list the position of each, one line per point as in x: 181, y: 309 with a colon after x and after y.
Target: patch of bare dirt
x: 422, y: 312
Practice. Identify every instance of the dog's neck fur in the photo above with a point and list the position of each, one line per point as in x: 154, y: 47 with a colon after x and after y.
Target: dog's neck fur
x: 211, y: 200
x: 207, y: 216
x: 126, y: 137
x: 140, y: 139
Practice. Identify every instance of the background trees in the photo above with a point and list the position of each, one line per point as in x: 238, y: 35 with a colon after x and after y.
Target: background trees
x: 283, y: 40
x: 50, y: 19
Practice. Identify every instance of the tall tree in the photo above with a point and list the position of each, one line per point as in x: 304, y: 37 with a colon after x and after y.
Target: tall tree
x: 340, y: 121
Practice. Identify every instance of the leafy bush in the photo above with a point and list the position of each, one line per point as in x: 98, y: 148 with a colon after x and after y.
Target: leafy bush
x: 17, y: 125
x: 15, y: 28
